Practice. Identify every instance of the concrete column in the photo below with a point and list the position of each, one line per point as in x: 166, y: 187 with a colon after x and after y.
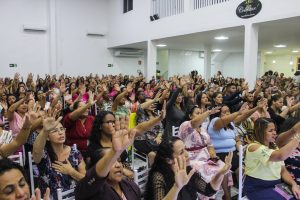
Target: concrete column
x: 207, y: 63
x: 250, y: 54
x: 52, y: 37
x: 150, y: 67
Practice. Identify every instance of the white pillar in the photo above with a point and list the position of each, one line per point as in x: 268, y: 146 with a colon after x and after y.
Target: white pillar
x: 207, y: 63
x: 187, y: 6
x: 150, y: 67
x: 52, y: 37
x: 250, y: 54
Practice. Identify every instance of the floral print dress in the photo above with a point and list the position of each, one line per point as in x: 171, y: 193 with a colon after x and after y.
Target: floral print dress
x: 53, y: 179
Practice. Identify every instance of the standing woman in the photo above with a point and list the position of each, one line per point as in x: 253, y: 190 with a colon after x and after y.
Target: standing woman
x: 175, y: 111
x: 60, y: 166
x: 264, y: 166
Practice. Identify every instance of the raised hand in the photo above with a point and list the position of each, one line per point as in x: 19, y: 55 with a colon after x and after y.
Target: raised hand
x: 179, y: 169
x: 37, y: 195
x: 215, y: 110
x: 49, y: 122
x: 227, y: 166
x: 121, y: 136
x: 91, y: 98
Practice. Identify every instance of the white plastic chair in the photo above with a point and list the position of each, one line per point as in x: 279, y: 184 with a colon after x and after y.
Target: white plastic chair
x: 140, y: 169
x: 175, y: 131
x: 241, y: 174
x: 61, y: 195
x: 141, y: 178
x: 17, y: 159
x: 32, y: 168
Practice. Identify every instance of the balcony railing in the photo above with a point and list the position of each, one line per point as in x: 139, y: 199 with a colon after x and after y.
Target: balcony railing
x: 204, y: 3
x: 164, y: 8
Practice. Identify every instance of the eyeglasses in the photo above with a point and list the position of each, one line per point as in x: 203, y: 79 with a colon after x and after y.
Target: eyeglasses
x: 56, y: 130
x: 109, y: 122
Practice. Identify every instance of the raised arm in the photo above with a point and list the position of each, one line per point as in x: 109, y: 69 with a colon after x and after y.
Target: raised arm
x: 197, y: 121
x: 49, y: 124
x: 285, y: 151
x: 147, y: 125
x: 13, y: 108
x: 285, y: 137
x: 79, y: 111
x: 10, y: 148
x: 224, y: 121
x: 121, y: 96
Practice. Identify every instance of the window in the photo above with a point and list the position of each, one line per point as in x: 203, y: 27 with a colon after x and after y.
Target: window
x: 127, y: 5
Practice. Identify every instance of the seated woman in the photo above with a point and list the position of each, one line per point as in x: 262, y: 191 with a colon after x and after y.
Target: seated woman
x: 13, y: 184
x: 101, y: 135
x: 264, y: 167
x: 224, y: 137
x: 149, y: 141
x: 105, y: 179
x: 60, y: 166
x: 171, y: 177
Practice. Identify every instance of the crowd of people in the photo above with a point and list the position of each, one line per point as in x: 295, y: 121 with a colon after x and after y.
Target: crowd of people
x: 79, y: 130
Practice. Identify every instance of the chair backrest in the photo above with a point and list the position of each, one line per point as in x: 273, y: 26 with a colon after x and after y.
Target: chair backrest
x: 175, y: 131
x: 241, y: 172
x: 65, y: 195
x: 18, y: 158
x: 141, y: 178
x: 31, y: 175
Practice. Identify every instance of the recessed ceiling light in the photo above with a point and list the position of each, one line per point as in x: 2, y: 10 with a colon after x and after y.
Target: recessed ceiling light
x: 268, y: 52
x: 161, y: 45
x: 280, y: 45
x: 274, y: 61
x: 221, y: 37
x: 291, y: 63
x: 216, y: 50
x: 295, y: 51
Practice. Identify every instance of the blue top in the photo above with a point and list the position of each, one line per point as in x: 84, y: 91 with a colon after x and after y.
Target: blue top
x: 223, y: 140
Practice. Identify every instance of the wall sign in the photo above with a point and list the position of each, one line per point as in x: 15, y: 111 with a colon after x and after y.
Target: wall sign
x: 248, y: 9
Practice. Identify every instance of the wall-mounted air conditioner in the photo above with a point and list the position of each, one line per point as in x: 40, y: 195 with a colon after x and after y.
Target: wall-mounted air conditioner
x: 34, y: 28
x: 129, y: 53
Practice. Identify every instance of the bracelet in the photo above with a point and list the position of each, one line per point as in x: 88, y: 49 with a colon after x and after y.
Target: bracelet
x: 296, y: 137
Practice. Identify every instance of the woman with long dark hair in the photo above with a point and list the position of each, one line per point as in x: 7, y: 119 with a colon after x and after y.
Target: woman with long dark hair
x: 60, y: 166
x: 171, y: 177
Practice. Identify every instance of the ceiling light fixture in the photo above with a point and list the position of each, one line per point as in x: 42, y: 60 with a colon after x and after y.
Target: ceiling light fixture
x: 269, y: 52
x: 216, y: 50
x: 274, y: 61
x: 161, y: 45
x: 280, y: 45
x: 295, y: 51
x: 291, y: 63
x: 221, y: 37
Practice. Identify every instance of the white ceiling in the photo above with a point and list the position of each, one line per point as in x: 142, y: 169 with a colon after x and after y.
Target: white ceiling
x: 285, y: 31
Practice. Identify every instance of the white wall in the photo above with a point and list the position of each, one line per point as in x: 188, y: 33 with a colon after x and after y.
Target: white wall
x: 163, y: 62
x: 183, y: 62
x: 28, y: 50
x: 76, y: 53
x: 232, y: 66
x: 135, y: 26
x: 282, y: 64
x: 128, y: 66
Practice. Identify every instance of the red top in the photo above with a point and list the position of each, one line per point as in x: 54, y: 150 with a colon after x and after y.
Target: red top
x: 77, y: 132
